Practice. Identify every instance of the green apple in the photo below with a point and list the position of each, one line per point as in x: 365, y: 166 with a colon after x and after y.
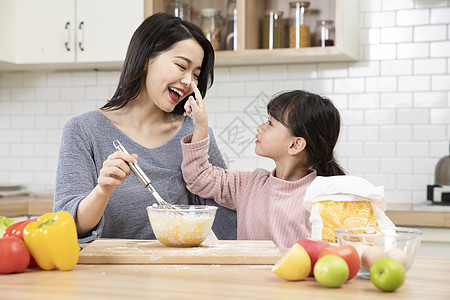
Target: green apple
x: 331, y: 271
x: 387, y: 274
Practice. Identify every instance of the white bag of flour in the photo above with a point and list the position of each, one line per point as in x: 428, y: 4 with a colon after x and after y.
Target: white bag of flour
x: 344, y: 201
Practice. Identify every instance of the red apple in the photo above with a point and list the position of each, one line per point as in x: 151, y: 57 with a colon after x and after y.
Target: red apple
x: 348, y: 253
x: 313, y: 248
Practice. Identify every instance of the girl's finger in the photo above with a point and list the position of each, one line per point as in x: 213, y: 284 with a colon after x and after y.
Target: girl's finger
x: 198, y: 95
x: 188, y: 106
x: 193, y: 104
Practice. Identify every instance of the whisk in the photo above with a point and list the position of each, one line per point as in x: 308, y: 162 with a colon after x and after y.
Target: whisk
x: 148, y: 184
x: 143, y: 178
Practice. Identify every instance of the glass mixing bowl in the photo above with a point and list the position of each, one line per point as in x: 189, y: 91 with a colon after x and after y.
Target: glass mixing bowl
x: 184, y: 226
x: 406, y: 239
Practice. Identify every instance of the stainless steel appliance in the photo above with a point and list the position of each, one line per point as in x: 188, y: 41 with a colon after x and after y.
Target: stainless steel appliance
x: 439, y: 193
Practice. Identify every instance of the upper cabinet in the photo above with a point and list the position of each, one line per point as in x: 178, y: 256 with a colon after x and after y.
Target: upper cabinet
x: 34, y: 34
x: 52, y: 32
x: 251, y: 15
x: 72, y: 34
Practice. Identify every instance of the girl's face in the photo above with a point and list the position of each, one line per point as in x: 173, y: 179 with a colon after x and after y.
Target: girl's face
x: 169, y: 75
x: 273, y: 139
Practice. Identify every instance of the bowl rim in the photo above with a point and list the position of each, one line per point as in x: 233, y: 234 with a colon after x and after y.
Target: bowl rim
x: 183, y: 208
x: 382, y: 229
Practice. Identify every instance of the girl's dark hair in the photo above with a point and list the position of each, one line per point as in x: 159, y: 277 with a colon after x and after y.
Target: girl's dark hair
x: 315, y: 119
x: 157, y: 34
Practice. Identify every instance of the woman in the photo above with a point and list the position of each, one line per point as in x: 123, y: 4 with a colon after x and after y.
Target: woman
x: 146, y: 114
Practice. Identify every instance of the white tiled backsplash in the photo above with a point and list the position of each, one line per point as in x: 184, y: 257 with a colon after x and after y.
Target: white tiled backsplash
x: 394, y: 101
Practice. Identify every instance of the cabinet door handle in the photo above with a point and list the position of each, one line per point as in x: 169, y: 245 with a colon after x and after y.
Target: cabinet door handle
x: 81, y: 36
x: 67, y: 35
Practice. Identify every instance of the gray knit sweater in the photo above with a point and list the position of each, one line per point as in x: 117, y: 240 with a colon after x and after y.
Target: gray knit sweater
x: 87, y: 140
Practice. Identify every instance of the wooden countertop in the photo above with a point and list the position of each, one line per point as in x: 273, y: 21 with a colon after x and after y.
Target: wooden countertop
x: 420, y: 218
x: 427, y: 279
x: 422, y: 214
x: 27, y: 205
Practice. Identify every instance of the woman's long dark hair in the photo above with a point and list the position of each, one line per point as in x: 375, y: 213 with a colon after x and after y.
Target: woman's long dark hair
x: 157, y: 34
x: 315, y: 119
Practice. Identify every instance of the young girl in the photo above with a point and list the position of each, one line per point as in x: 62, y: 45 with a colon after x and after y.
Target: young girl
x: 146, y: 114
x: 299, y: 135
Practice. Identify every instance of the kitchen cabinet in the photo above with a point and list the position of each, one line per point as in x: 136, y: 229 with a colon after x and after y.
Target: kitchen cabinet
x: 250, y: 13
x: 435, y: 241
x: 67, y: 31
x: 47, y: 33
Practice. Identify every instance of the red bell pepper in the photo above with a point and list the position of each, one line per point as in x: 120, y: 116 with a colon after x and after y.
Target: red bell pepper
x: 16, y: 230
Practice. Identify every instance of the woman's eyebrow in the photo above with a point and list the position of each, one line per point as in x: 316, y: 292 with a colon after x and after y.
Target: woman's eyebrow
x: 184, y: 58
x: 187, y: 60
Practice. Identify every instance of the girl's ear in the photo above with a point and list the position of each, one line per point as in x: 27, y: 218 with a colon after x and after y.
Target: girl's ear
x: 297, y: 146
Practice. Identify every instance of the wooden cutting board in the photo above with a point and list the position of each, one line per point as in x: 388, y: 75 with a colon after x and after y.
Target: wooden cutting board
x: 123, y: 251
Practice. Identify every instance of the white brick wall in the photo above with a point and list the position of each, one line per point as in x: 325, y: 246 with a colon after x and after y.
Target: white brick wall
x: 394, y: 103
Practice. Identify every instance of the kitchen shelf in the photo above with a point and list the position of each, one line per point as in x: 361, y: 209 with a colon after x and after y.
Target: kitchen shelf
x: 281, y: 56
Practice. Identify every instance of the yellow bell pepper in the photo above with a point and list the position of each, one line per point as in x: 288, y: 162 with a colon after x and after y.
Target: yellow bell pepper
x: 53, y: 241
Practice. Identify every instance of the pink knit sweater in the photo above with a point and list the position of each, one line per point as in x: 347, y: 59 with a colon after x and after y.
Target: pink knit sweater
x: 268, y: 208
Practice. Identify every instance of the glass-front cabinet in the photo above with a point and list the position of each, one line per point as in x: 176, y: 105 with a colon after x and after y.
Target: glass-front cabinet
x: 272, y: 31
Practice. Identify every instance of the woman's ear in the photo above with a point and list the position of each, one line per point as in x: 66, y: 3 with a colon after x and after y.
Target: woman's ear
x: 298, y: 145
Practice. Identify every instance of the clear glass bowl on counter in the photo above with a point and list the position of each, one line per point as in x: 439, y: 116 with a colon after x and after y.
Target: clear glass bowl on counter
x: 406, y: 239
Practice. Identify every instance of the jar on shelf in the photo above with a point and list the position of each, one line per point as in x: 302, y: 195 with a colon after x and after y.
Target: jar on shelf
x: 273, y: 32
x: 210, y: 22
x: 179, y: 9
x: 231, y: 27
x: 299, y: 33
x: 324, y: 33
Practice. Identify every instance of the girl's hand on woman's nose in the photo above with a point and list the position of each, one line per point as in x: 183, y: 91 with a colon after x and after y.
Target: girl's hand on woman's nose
x: 195, y: 108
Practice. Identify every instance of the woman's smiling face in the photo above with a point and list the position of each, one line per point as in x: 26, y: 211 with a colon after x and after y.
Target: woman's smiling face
x: 169, y: 75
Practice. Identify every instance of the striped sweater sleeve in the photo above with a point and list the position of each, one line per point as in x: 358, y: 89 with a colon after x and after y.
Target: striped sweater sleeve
x: 206, y: 180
